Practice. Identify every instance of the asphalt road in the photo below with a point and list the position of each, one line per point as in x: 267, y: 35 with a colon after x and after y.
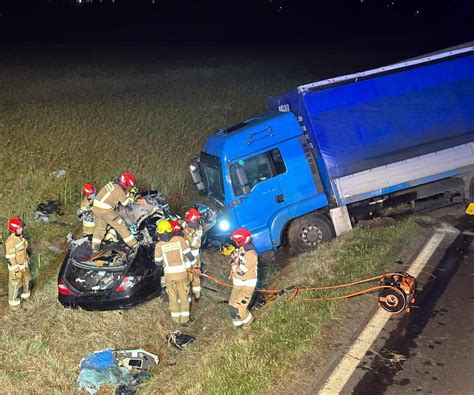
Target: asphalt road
x: 431, y: 350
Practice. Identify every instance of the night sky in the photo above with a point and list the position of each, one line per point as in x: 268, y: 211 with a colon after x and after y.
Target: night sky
x: 227, y: 22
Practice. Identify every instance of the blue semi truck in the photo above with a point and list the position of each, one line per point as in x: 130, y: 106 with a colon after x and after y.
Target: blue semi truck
x: 332, y: 152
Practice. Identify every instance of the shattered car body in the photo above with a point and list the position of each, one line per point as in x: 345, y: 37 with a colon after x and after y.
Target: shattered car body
x: 118, y: 277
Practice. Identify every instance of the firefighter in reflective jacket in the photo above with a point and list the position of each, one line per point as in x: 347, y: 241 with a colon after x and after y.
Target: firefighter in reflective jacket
x: 173, y: 253
x: 244, y: 278
x: 85, y: 210
x: 103, y: 208
x: 18, y: 263
x: 193, y: 231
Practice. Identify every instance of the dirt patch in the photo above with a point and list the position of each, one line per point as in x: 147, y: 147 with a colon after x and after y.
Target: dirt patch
x: 378, y: 222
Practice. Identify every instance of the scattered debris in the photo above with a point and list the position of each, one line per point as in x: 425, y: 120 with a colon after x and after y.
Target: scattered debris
x: 50, y: 207
x: 55, y: 248
x: 179, y: 340
x: 123, y: 368
x: 58, y: 173
x: 40, y: 217
x: 390, y: 358
x: 136, y: 359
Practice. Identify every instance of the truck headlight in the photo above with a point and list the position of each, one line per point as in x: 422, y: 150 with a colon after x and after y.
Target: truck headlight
x: 224, y: 225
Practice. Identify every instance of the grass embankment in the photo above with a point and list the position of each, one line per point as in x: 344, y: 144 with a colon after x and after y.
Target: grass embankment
x: 285, y: 330
x: 42, y: 346
x: 95, y: 115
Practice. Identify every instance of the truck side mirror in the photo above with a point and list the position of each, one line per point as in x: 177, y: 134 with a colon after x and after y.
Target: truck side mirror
x: 196, y: 173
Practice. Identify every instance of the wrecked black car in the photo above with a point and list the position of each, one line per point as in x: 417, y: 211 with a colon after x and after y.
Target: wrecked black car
x: 118, y: 277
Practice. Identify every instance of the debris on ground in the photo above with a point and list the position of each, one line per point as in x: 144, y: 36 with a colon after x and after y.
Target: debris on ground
x: 58, y: 173
x: 39, y: 217
x: 123, y: 368
x: 55, y: 248
x: 50, y: 207
x: 179, y: 340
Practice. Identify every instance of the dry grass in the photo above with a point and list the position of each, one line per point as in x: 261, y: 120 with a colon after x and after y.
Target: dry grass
x: 95, y: 115
x: 43, y: 345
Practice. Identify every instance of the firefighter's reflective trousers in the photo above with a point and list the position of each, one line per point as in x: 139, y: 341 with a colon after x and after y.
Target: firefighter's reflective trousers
x: 195, y: 279
x: 104, y: 217
x: 238, y: 305
x: 178, y: 294
x: 18, y: 278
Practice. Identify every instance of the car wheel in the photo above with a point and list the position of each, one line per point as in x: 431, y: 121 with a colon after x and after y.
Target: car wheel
x: 308, y: 232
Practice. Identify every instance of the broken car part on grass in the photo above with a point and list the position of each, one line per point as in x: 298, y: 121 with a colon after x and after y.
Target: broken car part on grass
x: 179, y: 340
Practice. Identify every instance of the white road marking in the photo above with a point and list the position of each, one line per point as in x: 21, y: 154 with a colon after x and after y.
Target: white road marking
x: 346, y: 367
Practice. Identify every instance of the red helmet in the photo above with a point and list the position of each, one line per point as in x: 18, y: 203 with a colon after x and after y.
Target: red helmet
x: 192, y: 215
x: 175, y: 226
x: 88, y: 190
x: 241, y: 237
x: 127, y: 180
x: 14, y: 224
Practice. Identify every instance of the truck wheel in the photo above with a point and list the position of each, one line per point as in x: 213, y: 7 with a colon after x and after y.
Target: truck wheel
x: 307, y: 232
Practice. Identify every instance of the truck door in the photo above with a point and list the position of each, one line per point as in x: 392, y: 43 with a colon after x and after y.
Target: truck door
x: 258, y: 192
x: 302, y: 188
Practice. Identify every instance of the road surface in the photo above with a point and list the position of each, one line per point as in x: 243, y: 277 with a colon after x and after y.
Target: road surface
x: 431, y: 350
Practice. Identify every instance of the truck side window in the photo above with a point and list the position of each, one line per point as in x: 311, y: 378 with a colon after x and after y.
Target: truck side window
x: 257, y: 169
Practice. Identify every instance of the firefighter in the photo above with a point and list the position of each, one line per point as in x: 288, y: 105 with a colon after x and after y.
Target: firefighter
x: 174, y: 254
x: 85, y: 210
x: 18, y: 263
x: 193, y: 231
x: 244, y: 278
x: 103, y: 208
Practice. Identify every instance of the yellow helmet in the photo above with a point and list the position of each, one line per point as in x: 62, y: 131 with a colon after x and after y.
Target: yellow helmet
x: 227, y: 249
x: 164, y: 226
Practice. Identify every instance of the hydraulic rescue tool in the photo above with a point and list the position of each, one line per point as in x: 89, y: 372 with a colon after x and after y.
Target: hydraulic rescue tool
x: 399, y: 294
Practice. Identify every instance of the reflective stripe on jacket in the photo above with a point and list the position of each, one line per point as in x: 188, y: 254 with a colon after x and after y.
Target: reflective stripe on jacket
x: 16, y: 252
x: 110, y: 196
x: 172, y: 255
x: 245, y: 268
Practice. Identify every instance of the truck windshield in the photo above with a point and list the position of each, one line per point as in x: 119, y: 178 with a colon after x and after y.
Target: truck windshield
x: 212, y: 176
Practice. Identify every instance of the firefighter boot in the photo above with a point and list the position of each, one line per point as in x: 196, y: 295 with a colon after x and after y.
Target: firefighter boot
x: 246, y: 327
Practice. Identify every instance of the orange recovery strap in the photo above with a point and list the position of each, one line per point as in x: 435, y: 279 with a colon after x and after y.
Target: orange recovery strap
x: 396, y: 290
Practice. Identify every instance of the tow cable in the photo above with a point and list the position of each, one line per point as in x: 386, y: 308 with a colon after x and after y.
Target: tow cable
x: 396, y: 291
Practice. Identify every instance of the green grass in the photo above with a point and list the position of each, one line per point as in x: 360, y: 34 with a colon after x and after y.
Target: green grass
x: 287, y: 329
x: 95, y: 117
x: 97, y: 114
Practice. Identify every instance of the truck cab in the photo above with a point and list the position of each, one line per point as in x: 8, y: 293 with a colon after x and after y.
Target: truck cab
x: 261, y: 174
x: 334, y: 151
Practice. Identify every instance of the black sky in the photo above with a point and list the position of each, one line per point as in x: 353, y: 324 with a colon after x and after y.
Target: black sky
x: 226, y: 22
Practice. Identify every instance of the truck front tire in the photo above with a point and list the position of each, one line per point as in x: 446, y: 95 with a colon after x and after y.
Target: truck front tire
x: 307, y: 232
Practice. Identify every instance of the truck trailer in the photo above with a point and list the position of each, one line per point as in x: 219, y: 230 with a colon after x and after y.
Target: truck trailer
x: 329, y: 153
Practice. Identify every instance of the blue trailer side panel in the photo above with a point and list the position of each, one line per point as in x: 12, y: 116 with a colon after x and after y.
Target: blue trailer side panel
x: 291, y: 102
x: 387, y: 118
